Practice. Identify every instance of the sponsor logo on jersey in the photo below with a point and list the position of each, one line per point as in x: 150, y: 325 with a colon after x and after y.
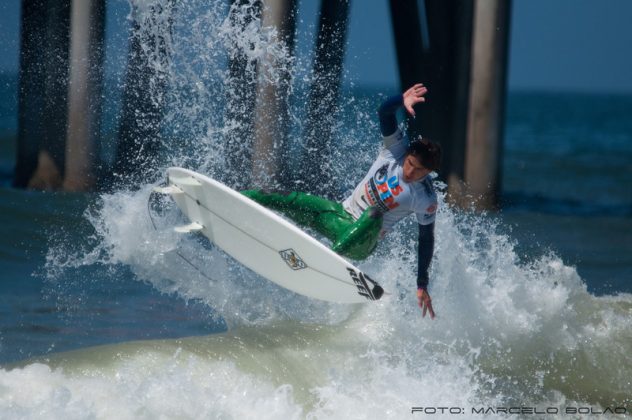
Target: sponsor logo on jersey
x: 381, y: 190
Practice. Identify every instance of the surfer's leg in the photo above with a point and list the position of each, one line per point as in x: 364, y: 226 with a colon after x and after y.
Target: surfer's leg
x: 360, y: 239
x: 333, y: 222
x: 326, y: 217
x: 284, y: 202
x: 354, y: 239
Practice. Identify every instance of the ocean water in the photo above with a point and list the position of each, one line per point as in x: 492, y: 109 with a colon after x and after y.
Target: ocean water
x: 101, y: 317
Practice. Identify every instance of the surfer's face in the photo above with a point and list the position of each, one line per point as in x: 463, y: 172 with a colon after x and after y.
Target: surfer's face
x: 413, y: 170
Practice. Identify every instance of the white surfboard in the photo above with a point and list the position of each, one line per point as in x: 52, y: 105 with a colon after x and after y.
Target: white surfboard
x: 265, y: 242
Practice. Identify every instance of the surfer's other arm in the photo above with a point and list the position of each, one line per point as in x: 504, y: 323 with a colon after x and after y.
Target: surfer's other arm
x: 424, y: 257
x: 420, y: 158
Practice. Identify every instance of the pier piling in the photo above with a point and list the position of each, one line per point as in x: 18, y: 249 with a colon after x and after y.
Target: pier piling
x: 412, y: 49
x: 458, y: 48
x: 31, y: 85
x: 43, y: 94
x: 144, y: 93
x: 271, y: 113
x: 487, y: 101
x: 87, y: 30
x: 323, y: 95
x: 241, y: 97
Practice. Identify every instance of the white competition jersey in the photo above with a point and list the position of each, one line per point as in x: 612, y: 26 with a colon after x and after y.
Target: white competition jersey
x: 384, y: 187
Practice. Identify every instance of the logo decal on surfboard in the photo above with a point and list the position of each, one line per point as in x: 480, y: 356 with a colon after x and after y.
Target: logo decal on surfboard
x: 362, y: 281
x: 292, y: 259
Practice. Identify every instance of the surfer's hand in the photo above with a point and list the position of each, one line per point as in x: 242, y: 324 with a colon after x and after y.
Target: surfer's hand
x: 413, y: 96
x: 425, y: 303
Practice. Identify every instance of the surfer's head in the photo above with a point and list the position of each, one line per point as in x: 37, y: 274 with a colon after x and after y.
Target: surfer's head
x: 422, y: 157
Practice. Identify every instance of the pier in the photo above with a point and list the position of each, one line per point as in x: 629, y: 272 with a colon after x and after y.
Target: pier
x: 457, y: 48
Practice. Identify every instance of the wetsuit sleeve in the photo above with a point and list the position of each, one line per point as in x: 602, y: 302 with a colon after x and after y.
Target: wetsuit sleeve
x: 386, y: 112
x: 424, y: 254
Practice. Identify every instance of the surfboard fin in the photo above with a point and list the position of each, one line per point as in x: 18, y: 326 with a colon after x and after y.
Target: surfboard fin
x: 185, y: 180
x: 171, y: 190
x: 191, y: 227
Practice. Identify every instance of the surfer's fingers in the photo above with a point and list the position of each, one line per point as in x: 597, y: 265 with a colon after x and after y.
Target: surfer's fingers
x: 423, y: 306
x: 417, y: 90
x: 410, y: 110
x: 420, y: 92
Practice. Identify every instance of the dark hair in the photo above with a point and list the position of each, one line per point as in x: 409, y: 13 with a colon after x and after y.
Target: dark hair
x: 427, y: 151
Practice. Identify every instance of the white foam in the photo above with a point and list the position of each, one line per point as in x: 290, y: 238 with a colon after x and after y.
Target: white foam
x: 142, y: 388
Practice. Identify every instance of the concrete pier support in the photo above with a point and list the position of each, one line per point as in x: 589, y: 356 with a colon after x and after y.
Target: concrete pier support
x: 433, y: 47
x: 449, y: 27
x: 144, y: 94
x: 323, y: 96
x: 271, y: 113
x: 487, y: 101
x: 412, y: 51
x: 51, y: 157
x: 84, y: 94
x: 241, y: 98
x: 31, y: 85
x: 459, y: 49
x: 43, y: 94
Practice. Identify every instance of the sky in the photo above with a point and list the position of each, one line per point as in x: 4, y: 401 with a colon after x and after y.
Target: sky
x: 560, y: 45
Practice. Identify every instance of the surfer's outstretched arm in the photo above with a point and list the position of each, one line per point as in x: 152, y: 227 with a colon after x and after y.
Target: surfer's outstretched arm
x: 386, y: 112
x: 424, y: 257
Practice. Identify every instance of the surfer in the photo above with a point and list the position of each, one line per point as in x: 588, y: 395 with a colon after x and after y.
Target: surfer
x: 397, y: 184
